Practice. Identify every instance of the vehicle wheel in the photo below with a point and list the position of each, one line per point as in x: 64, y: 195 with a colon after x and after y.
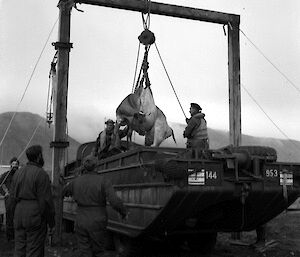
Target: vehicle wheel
x: 128, y: 247
x: 202, y: 243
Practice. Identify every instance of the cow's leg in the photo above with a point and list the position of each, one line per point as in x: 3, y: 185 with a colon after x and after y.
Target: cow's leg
x: 149, y: 137
x: 159, y: 131
x: 129, y: 137
x: 116, y: 141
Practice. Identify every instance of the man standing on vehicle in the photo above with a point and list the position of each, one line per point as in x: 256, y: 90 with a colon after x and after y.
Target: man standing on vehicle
x: 106, y: 138
x: 196, y: 129
x: 32, y: 201
x: 91, y: 191
x: 5, y: 182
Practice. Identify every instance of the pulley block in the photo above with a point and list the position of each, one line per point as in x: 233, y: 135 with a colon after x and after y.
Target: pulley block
x: 147, y: 37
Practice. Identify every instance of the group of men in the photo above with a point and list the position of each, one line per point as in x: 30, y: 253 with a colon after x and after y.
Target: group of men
x: 29, y: 204
x: 30, y: 208
x: 29, y: 200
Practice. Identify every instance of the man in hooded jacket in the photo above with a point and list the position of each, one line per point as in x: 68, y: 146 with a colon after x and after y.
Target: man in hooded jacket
x: 91, y: 191
x: 196, y: 129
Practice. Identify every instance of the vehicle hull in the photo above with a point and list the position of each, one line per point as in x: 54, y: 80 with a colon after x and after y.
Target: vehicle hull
x: 164, y: 196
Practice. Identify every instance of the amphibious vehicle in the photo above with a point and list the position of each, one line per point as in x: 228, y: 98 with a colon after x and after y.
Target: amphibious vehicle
x: 187, y: 196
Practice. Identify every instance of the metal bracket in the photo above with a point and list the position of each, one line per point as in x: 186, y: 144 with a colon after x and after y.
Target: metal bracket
x: 65, y: 5
x: 62, y: 45
x: 59, y: 144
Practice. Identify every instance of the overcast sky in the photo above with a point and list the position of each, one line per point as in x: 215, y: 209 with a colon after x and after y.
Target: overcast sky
x: 103, y: 58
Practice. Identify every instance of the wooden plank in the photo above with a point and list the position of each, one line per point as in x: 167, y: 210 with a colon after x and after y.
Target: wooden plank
x: 234, y: 85
x: 167, y: 10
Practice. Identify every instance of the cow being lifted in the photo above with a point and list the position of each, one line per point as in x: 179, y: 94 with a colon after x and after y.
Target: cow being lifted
x: 138, y: 110
x: 140, y: 113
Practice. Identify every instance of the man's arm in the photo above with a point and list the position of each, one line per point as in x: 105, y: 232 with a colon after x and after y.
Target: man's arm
x: 97, y: 145
x: 2, y: 176
x: 68, y: 189
x: 2, y: 183
x: 123, y: 132
x: 190, y: 127
x: 45, y: 198
x: 12, y: 194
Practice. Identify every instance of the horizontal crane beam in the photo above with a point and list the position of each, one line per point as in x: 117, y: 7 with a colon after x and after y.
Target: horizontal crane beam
x: 167, y: 10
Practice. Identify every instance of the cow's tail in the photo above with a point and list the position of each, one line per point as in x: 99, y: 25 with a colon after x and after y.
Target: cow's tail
x: 173, y: 136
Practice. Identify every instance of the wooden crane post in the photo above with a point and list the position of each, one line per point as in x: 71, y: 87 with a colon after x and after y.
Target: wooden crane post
x: 60, y: 89
x: 234, y: 84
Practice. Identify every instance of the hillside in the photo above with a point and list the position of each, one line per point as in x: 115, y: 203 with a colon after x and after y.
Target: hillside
x: 286, y: 150
x: 25, y: 123
x: 20, y: 133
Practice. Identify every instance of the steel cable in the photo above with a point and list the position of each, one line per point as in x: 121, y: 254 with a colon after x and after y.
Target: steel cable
x: 170, y: 80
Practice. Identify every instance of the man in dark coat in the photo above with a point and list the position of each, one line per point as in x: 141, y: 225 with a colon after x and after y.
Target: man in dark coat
x: 33, y: 203
x: 91, y: 191
x: 106, y: 139
x: 196, y: 129
x: 5, y: 182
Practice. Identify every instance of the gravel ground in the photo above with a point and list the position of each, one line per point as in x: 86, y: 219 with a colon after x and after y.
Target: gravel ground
x: 283, y: 234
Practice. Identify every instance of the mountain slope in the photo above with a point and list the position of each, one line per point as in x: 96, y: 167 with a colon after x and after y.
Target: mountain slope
x: 25, y: 123
x: 21, y: 131
x: 287, y: 150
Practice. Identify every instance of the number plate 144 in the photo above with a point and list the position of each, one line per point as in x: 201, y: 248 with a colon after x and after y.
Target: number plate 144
x: 203, y: 177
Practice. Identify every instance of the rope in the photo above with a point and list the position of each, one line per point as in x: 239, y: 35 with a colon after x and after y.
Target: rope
x: 170, y: 80
x: 261, y: 52
x: 1, y: 154
x: 66, y: 153
x: 146, y: 23
x: 52, y: 73
x: 33, y: 134
x: 280, y: 130
x: 5, y: 178
x: 11, y: 120
x: 48, y: 94
x: 136, y: 65
x: 144, y: 68
x: 282, y: 74
x: 3, y: 181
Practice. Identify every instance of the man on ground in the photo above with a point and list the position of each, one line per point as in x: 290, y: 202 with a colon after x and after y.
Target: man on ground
x: 5, y: 182
x: 33, y: 204
x: 91, y: 191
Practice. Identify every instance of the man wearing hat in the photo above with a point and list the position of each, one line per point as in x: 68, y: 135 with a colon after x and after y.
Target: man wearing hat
x: 106, y: 137
x: 196, y: 129
x: 91, y: 192
x: 5, y: 184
